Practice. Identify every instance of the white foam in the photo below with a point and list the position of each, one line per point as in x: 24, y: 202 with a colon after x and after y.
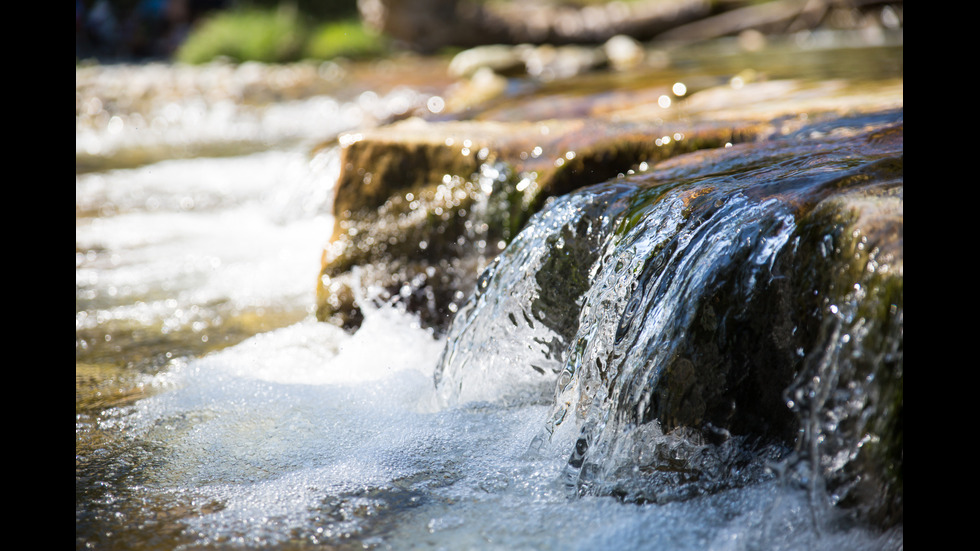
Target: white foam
x: 273, y: 426
x: 201, y: 232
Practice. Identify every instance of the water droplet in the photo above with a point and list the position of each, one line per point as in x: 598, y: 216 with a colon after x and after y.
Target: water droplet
x: 436, y: 104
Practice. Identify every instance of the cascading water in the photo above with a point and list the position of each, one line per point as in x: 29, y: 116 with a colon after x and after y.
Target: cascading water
x: 679, y: 368
x: 701, y: 355
x: 511, y: 337
x: 649, y: 293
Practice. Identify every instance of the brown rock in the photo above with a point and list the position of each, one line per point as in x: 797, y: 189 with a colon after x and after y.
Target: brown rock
x: 436, y: 201
x: 422, y: 207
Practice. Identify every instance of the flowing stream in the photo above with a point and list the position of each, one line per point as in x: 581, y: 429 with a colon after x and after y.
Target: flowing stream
x: 214, y: 412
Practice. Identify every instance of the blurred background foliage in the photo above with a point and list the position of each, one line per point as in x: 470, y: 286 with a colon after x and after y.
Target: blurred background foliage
x: 199, y: 31
x: 283, y: 31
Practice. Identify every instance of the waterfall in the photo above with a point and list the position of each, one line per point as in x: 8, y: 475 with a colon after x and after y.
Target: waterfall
x: 703, y: 352
x: 694, y: 329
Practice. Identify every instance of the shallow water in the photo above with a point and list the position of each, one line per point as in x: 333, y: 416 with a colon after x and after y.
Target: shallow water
x: 306, y: 436
x: 213, y: 412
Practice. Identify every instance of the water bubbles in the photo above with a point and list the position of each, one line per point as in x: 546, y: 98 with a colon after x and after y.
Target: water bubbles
x: 368, y: 100
x: 115, y: 125
x: 445, y: 523
x: 92, y: 106
x: 484, y: 280
x: 436, y: 104
x: 310, y: 422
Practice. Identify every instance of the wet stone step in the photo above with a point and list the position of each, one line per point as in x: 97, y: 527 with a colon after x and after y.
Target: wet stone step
x: 422, y: 207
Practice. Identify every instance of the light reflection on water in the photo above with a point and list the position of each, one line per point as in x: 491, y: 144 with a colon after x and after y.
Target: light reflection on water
x: 212, y: 412
x: 194, y: 250
x: 306, y: 436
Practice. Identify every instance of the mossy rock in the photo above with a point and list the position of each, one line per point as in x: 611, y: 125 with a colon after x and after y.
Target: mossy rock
x: 851, y: 257
x: 828, y: 309
x: 447, y: 196
x: 475, y: 183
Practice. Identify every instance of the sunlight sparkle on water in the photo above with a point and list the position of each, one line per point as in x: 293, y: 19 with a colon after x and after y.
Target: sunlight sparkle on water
x: 309, y: 433
x: 436, y: 104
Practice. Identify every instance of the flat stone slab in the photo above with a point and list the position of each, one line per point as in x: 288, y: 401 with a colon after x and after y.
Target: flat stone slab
x: 429, y: 204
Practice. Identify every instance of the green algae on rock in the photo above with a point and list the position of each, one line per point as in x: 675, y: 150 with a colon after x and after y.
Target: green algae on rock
x: 443, y: 198
x: 421, y: 207
x: 683, y: 298
x: 849, y: 397
x: 719, y: 313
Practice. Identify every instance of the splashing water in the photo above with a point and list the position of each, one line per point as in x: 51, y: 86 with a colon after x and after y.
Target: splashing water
x: 638, y: 314
x: 541, y: 420
x: 307, y: 435
x: 670, y: 372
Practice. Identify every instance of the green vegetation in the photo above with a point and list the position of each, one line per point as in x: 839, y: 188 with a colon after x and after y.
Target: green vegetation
x: 347, y: 38
x: 276, y: 36
x: 250, y: 34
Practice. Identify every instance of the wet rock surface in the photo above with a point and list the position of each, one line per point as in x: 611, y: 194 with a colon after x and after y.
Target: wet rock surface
x: 429, y: 203
x: 762, y: 368
x: 453, y: 194
x: 424, y: 207
x: 762, y: 326
x: 541, y: 226
x: 429, y: 25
